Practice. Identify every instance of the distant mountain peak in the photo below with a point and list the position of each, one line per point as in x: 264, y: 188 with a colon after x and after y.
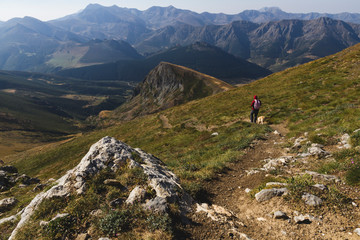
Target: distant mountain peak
x: 271, y: 9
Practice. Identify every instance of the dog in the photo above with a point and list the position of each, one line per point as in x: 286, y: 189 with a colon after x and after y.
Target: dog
x: 261, y: 119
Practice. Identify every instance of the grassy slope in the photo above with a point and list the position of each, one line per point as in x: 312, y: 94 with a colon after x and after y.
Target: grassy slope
x: 318, y: 95
x: 35, y: 108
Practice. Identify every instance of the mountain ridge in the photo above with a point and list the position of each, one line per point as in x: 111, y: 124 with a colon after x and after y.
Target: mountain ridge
x: 199, y: 56
x: 169, y: 85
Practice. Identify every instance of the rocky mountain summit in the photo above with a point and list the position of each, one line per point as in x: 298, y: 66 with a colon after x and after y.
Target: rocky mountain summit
x: 169, y: 85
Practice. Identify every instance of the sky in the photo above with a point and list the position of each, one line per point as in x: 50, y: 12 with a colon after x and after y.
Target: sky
x: 52, y: 9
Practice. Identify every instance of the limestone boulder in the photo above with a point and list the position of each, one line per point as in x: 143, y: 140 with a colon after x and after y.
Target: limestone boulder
x: 311, y: 200
x: 136, y: 195
x: 267, y: 194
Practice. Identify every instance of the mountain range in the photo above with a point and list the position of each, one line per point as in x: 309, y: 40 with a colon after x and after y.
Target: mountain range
x: 270, y: 38
x: 159, y: 17
x: 199, y: 56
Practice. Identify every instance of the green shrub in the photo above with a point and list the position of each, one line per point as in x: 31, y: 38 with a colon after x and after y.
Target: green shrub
x: 158, y: 222
x: 335, y: 197
x: 355, y: 139
x: 317, y: 139
x: 60, y: 228
x: 329, y: 168
x: 81, y: 207
x: 115, y: 222
x: 298, y: 185
x: 352, y: 176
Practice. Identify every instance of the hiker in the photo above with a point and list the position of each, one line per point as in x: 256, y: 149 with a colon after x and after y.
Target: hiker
x: 255, y: 106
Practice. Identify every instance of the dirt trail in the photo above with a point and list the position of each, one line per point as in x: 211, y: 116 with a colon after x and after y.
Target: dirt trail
x: 245, y: 218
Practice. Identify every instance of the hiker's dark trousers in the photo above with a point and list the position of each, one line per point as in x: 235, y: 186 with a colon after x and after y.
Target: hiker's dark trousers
x: 253, y: 115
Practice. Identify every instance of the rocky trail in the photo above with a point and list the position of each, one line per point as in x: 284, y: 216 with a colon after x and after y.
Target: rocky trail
x: 229, y: 212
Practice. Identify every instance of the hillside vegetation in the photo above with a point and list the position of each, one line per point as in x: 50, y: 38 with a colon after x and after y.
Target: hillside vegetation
x: 320, y: 97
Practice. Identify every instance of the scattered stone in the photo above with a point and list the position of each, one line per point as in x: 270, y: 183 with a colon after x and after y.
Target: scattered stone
x: 215, y: 134
x: 247, y: 190
x: 298, y: 143
x: 311, y: 200
x: 322, y: 187
x: 157, y: 204
x: 316, y: 150
x: 136, y: 195
x: 215, y: 212
x: 345, y: 141
x: 302, y: 219
x: 96, y: 213
x: 272, y: 164
x: 323, y: 177
x: 267, y: 194
x: 357, y: 231
x: 7, y: 203
x: 261, y: 219
x: 251, y: 172
x: 276, y: 133
x: 280, y: 215
x: 354, y: 204
x: 83, y: 236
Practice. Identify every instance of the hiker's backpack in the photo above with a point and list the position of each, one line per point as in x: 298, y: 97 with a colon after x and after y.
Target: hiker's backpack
x: 257, y: 104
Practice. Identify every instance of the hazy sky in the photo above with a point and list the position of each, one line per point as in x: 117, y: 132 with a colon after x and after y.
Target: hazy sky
x: 52, y: 9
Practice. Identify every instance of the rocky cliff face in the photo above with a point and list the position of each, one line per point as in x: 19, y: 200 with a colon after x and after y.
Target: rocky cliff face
x: 169, y: 85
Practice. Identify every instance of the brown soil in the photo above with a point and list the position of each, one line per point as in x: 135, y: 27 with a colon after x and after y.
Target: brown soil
x: 255, y: 219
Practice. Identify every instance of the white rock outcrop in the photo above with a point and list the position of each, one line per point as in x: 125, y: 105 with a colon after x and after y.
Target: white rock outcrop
x: 108, y: 152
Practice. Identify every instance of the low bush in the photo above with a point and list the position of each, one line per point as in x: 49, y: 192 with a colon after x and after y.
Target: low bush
x: 159, y: 222
x: 115, y: 222
x: 355, y: 139
x: 60, y: 228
